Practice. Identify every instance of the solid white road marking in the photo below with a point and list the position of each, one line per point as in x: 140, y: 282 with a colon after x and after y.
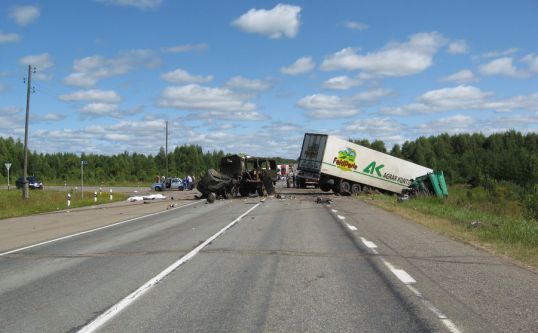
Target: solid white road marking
x: 92, y: 230
x: 341, y: 217
x: 116, y: 308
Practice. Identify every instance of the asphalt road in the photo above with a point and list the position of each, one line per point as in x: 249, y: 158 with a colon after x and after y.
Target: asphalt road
x: 286, y: 264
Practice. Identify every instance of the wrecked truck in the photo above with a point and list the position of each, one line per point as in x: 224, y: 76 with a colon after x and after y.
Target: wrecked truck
x: 240, y: 175
x: 348, y: 168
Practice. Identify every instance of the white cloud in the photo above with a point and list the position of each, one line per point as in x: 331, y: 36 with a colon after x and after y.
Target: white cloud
x: 282, y: 20
x: 532, y: 61
x: 53, y: 117
x: 371, y: 95
x: 283, y: 127
x: 10, y: 119
x: 354, y: 25
x: 458, y: 47
x: 185, y: 48
x: 39, y: 61
x: 217, y: 103
x: 327, y: 106
x: 24, y: 15
x: 300, y: 66
x: 88, y: 71
x: 463, y: 76
x: 497, y: 54
x: 182, y: 76
x: 140, y: 4
x: 8, y: 37
x: 92, y: 95
x: 341, y: 83
x: 502, y: 66
x: 376, y: 127
x: 395, y: 59
x: 452, y: 125
x: 242, y: 83
x: 463, y: 98
x: 99, y: 109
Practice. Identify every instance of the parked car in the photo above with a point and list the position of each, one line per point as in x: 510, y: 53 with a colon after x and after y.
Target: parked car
x: 169, y: 184
x: 33, y: 183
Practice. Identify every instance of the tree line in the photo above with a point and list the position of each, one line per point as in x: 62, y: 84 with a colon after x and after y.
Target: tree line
x: 474, y: 159
x: 125, y: 167
x: 465, y: 158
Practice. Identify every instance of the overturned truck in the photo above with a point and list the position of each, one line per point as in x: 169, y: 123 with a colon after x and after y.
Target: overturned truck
x: 348, y: 168
x: 240, y: 175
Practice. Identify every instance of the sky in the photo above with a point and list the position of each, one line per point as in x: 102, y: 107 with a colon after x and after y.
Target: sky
x: 254, y: 76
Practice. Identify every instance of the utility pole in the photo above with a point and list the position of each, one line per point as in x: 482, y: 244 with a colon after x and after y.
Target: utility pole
x: 25, y: 192
x: 166, y: 150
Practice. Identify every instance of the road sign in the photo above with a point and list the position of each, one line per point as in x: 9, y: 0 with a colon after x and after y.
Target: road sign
x: 8, y: 165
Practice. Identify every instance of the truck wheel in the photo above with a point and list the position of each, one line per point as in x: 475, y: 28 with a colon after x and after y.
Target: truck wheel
x: 355, y: 189
x: 325, y: 187
x: 268, y: 184
x: 345, y: 188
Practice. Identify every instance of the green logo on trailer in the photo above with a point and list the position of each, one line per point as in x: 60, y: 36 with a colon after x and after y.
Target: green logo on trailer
x: 372, y: 167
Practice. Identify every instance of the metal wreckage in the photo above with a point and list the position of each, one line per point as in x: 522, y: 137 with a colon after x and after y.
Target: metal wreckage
x: 239, y: 175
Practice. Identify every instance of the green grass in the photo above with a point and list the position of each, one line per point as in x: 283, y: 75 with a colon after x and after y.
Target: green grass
x: 12, y: 204
x: 500, y: 224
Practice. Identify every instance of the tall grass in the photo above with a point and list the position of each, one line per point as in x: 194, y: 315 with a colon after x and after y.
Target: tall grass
x: 496, y: 218
x: 12, y: 204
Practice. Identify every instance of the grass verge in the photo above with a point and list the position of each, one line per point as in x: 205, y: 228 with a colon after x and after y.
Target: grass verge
x: 511, y: 236
x: 12, y: 204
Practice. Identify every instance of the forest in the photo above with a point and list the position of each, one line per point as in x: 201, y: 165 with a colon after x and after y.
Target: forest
x: 474, y: 159
x: 124, y: 168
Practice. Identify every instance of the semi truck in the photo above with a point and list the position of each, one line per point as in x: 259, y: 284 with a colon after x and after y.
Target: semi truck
x: 348, y: 168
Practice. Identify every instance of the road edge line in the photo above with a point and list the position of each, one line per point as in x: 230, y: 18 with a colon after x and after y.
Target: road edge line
x: 92, y: 230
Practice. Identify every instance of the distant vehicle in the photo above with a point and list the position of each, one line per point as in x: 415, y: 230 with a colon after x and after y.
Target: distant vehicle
x: 347, y: 168
x: 33, y: 183
x: 169, y: 184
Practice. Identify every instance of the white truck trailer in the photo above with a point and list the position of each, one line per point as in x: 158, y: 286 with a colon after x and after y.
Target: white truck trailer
x: 348, y: 168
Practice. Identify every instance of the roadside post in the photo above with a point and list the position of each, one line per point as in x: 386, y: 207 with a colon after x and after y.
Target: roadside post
x: 100, y: 190
x: 110, y: 194
x: 68, y: 200
x: 8, y: 165
x: 82, y: 164
x: 95, y: 196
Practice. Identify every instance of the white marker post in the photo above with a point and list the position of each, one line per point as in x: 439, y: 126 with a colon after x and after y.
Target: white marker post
x: 8, y: 165
x: 68, y: 200
x: 94, y: 196
x: 110, y: 194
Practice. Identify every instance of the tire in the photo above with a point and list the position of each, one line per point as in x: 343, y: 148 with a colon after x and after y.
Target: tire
x: 325, y: 187
x: 158, y: 188
x: 355, y: 189
x: 345, y: 188
x: 268, y: 184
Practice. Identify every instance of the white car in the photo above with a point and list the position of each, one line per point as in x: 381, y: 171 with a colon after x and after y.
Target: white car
x: 169, y: 184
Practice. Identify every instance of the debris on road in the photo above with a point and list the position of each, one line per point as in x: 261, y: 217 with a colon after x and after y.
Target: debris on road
x: 146, y: 197
x: 321, y: 200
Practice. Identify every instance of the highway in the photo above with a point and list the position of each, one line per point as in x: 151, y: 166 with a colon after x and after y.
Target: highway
x: 287, y: 264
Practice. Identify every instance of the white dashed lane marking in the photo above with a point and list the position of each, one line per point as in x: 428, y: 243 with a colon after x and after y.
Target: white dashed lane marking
x: 405, y: 278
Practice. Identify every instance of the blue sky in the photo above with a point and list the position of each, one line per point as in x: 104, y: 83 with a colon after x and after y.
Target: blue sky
x: 254, y: 76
